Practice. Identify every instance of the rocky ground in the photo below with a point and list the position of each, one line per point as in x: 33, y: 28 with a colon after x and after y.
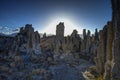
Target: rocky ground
x: 27, y: 56
x: 24, y: 57
x: 29, y: 68
x: 65, y: 71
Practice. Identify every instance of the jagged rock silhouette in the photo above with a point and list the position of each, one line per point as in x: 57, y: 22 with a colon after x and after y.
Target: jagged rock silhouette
x: 28, y: 56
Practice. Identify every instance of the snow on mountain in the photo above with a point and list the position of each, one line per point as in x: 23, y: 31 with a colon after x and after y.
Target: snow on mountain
x: 6, y: 31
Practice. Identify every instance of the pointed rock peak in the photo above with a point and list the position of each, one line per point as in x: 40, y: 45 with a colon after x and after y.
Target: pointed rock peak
x: 61, y: 23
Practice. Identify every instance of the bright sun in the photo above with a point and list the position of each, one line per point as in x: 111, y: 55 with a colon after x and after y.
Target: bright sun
x: 69, y: 27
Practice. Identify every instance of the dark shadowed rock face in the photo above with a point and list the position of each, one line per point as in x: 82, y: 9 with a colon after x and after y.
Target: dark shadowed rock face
x: 84, y: 33
x: 108, y: 51
x: 5, y: 44
x: 116, y: 52
x: 72, y: 43
x: 61, y: 45
x: 96, y: 35
x: 21, y: 57
x: 44, y: 35
x: 60, y: 57
x: 59, y: 37
x: 104, y: 55
x: 60, y: 31
x: 26, y: 40
x: 48, y: 44
x: 74, y: 34
x: 66, y: 44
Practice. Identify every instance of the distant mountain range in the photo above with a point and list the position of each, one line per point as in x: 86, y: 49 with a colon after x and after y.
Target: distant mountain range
x: 7, y: 30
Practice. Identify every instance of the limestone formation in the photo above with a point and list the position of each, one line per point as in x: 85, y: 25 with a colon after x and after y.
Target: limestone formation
x: 116, y: 49
x: 37, y: 37
x: 27, y: 40
x: 104, y: 57
x: 84, y: 34
x: 61, y: 45
x: 84, y: 39
x: 74, y: 34
x: 88, y: 42
x: 75, y: 41
x: 108, y: 57
x: 59, y: 37
x: 96, y: 35
x: 102, y: 48
x: 109, y: 51
x: 101, y: 51
x: 44, y: 35
x: 48, y: 44
x: 60, y: 31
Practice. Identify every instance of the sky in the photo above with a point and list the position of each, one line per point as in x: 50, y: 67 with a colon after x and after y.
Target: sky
x: 44, y: 14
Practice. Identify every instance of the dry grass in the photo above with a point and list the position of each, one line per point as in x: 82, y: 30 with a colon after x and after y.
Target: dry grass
x: 88, y: 76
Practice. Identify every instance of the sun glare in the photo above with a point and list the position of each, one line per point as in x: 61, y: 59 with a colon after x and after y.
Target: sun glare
x: 69, y: 26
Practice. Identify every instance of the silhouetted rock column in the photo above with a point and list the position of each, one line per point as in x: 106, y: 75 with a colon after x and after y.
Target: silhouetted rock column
x: 37, y: 37
x: 30, y: 32
x: 109, y: 51
x: 84, y: 39
x: 84, y: 34
x: 88, y: 42
x: 44, y: 35
x: 59, y: 37
x: 74, y: 34
x: 28, y: 39
x: 101, y: 51
x: 76, y: 41
x: 116, y: 24
x: 60, y: 31
x: 96, y: 35
x: 104, y: 58
x: 72, y: 44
